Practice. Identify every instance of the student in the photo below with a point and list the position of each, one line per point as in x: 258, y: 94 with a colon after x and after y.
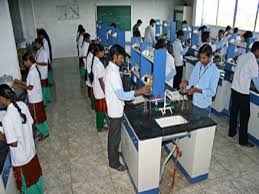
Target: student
x: 18, y: 134
x: 115, y: 97
x: 246, y: 69
x: 33, y: 87
x: 179, y: 52
x: 206, y: 39
x: 79, y: 45
x: 221, y: 43
x: 89, y: 62
x: 203, y: 81
x: 235, y: 35
x: 136, y: 32
x: 186, y: 28
x: 42, y: 64
x: 201, y: 30
x: 79, y: 28
x: 244, y: 39
x: 98, y: 86
x: 170, y: 71
x: 47, y: 45
x: 150, y: 32
x: 227, y: 32
x: 84, y: 51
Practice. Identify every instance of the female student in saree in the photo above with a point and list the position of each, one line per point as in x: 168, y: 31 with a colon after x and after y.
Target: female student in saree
x: 18, y: 134
x: 33, y: 87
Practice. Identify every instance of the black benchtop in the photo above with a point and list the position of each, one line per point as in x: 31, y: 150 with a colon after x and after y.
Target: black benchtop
x: 145, y: 126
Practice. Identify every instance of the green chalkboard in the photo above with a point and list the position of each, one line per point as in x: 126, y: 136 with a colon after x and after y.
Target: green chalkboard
x: 120, y: 15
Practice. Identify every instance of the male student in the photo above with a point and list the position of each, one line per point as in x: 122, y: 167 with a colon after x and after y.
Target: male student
x: 246, y: 69
x: 150, y: 32
x: 115, y: 97
x: 203, y: 81
x: 136, y: 32
x: 179, y: 52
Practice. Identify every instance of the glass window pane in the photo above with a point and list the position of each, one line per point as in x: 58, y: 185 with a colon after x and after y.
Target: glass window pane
x: 226, y: 12
x: 246, y: 12
x: 210, y: 12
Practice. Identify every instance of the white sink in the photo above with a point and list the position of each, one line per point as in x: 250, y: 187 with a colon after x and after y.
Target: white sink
x: 171, y: 121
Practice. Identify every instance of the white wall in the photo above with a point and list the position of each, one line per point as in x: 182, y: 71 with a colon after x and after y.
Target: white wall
x: 8, y: 56
x: 62, y: 33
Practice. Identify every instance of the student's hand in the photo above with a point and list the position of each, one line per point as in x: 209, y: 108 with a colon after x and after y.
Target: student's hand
x: 2, y: 137
x: 15, y: 86
x: 183, y: 84
x: 143, y: 90
x: 15, y: 81
x: 191, y: 91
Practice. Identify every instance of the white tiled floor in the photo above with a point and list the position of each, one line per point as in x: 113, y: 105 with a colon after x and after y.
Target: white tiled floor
x: 74, y: 157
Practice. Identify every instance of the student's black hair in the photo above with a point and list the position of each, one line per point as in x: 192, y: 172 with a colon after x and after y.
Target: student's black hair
x: 255, y: 46
x: 46, y: 36
x: 116, y: 50
x: 97, y: 48
x: 205, y: 49
x: 221, y: 31
x: 91, y: 48
x: 235, y: 30
x: 160, y: 44
x: 202, y: 28
x: 228, y: 28
x: 39, y: 41
x: 81, y: 31
x: 29, y: 56
x: 80, y: 26
x: 179, y: 33
x: 204, y: 36
x: 113, y: 25
x: 86, y: 36
x: 152, y: 21
x: 139, y: 21
x: 184, y: 22
x: 247, y: 35
x: 7, y: 92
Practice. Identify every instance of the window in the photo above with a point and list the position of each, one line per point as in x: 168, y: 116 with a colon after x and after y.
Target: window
x: 246, y: 14
x: 210, y: 9
x: 226, y: 12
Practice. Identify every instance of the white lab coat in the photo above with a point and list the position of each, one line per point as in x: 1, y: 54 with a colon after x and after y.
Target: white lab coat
x: 150, y: 35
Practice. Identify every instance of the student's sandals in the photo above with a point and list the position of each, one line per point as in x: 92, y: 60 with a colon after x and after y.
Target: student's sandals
x: 120, y: 168
x: 103, y: 129
x: 41, y: 137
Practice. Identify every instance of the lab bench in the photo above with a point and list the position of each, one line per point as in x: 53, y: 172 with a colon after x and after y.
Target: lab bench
x: 142, y: 139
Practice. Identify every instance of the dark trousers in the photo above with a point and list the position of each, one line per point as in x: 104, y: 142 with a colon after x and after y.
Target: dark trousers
x: 114, y: 138
x: 178, y: 77
x: 240, y: 103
